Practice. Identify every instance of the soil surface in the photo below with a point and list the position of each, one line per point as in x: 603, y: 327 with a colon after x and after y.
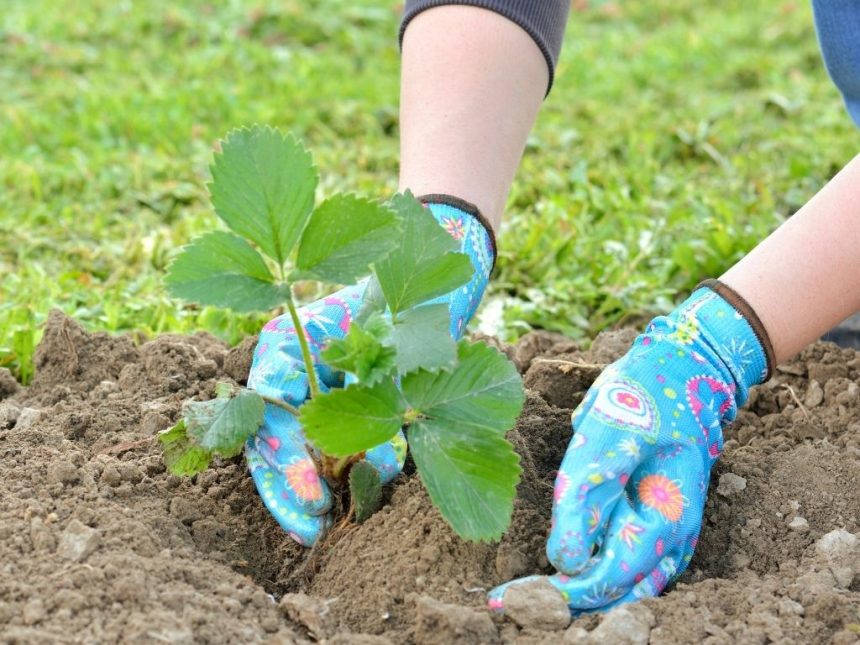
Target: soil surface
x: 98, y: 543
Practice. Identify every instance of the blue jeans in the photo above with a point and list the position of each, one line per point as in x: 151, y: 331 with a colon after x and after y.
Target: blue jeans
x: 838, y: 25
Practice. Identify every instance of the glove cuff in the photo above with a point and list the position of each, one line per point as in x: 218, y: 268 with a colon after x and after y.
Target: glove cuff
x: 740, y: 304
x: 714, y: 333
x: 471, y: 210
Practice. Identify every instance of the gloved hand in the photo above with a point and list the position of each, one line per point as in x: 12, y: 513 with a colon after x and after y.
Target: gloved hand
x: 278, y: 457
x: 630, y: 493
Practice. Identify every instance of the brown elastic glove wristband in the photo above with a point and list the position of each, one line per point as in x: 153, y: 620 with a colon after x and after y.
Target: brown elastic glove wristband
x: 740, y: 305
x: 466, y: 207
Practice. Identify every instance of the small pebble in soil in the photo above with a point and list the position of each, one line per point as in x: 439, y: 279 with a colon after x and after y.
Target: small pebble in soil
x: 26, y: 418
x: 625, y: 625
x: 62, y: 472
x: 731, y: 484
x: 788, y: 607
x: 841, y: 550
x: 78, y: 541
x: 536, y: 604
x: 799, y: 524
x: 837, y: 544
x: 814, y: 395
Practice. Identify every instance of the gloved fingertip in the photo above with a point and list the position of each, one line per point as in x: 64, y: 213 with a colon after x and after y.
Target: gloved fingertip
x: 587, y: 491
x: 306, y: 530
x: 319, y: 507
x: 304, y: 527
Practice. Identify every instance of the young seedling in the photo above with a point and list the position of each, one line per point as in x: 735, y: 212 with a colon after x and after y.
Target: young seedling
x: 455, y: 400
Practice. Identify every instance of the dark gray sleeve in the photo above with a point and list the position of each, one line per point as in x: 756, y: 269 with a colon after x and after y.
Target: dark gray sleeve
x: 543, y: 20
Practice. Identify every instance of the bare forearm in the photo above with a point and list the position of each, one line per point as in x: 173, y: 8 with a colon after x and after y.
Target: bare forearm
x: 805, y: 277
x: 472, y: 83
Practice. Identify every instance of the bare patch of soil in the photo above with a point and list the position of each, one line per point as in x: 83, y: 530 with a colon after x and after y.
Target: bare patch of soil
x: 99, y: 544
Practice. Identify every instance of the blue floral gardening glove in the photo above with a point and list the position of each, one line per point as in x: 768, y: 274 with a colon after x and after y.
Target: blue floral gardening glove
x: 278, y: 456
x: 630, y: 493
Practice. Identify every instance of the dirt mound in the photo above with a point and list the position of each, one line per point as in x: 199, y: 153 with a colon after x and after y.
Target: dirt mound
x: 99, y: 544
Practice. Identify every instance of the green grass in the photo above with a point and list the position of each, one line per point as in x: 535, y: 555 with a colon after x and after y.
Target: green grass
x: 677, y: 135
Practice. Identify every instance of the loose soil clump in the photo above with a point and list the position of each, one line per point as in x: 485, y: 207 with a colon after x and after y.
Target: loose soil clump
x: 98, y: 543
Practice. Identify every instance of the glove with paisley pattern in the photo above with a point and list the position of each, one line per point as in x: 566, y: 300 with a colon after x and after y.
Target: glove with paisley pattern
x: 630, y: 493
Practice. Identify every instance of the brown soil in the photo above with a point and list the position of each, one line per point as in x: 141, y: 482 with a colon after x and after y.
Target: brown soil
x: 99, y: 544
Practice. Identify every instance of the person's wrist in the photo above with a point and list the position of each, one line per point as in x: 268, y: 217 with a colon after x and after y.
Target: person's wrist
x: 742, y: 307
x: 474, y: 237
x: 441, y: 203
x: 727, y: 334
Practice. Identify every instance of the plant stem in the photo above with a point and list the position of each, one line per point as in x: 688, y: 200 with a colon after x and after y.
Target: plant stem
x: 411, y: 415
x: 340, y: 464
x: 303, y: 343
x: 281, y: 404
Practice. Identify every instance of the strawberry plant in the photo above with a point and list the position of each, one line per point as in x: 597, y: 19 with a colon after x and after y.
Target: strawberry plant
x: 456, y: 400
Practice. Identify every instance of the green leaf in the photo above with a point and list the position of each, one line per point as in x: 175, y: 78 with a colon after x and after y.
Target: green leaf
x: 263, y: 187
x: 181, y: 456
x: 223, y: 424
x: 458, y: 443
x: 470, y: 473
x: 425, y: 264
x: 422, y: 338
x: 223, y: 270
x: 484, y: 390
x: 365, y: 488
x: 373, y: 301
x: 344, y: 236
x: 363, y: 351
x: 346, y: 421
